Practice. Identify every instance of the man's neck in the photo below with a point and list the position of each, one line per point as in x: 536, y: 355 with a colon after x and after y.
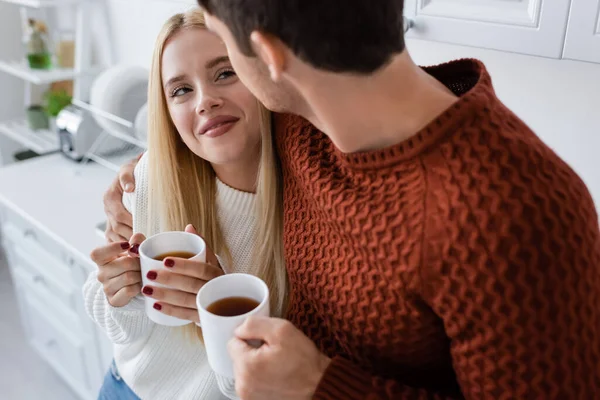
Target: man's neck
x: 361, y: 113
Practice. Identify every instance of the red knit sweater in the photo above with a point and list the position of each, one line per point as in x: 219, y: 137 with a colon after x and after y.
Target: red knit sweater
x: 463, y: 262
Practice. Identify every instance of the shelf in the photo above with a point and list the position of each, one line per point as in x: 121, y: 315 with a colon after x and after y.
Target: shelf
x: 41, y: 142
x: 37, y: 76
x: 115, y: 161
x: 42, y: 3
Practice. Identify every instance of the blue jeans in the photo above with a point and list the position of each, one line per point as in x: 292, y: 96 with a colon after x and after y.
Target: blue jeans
x: 114, y: 387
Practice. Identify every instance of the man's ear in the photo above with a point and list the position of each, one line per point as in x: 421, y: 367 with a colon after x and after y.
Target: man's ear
x: 271, y: 51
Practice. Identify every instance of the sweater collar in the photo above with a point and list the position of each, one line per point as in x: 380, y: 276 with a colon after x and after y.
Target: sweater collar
x: 468, y: 79
x: 235, y: 201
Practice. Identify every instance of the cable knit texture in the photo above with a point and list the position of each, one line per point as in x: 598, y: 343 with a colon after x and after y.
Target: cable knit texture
x: 463, y: 262
x: 160, y: 362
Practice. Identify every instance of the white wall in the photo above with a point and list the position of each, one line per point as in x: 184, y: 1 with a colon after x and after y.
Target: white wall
x: 134, y: 25
x: 559, y: 99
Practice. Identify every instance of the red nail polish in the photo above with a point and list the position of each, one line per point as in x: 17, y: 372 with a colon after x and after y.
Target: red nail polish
x: 169, y: 263
x: 157, y: 306
x: 147, y: 290
x: 151, y: 275
x: 125, y: 245
x: 135, y: 249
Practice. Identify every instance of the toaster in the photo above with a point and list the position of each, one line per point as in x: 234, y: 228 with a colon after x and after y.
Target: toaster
x: 77, y: 131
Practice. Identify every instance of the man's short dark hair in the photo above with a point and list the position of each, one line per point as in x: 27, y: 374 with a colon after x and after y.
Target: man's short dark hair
x: 357, y: 36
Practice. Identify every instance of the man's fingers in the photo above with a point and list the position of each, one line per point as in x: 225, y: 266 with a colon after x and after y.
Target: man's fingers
x: 187, y: 314
x: 105, y: 254
x: 171, y: 296
x: 118, y: 214
x: 269, y: 330
x: 124, y: 295
x: 126, y: 176
x: 196, y: 269
x: 113, y: 203
x: 238, y: 348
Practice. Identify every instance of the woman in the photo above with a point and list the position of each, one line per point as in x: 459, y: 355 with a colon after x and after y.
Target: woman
x: 211, y: 163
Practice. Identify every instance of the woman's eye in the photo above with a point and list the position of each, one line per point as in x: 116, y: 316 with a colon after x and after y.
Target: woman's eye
x: 180, y: 91
x: 225, y: 74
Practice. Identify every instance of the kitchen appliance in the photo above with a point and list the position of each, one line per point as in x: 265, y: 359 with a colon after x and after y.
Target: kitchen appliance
x: 77, y: 130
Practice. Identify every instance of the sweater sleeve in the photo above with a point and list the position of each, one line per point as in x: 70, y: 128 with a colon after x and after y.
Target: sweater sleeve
x: 512, y: 268
x: 128, y: 323
x: 122, y: 325
x: 517, y: 288
x: 344, y: 380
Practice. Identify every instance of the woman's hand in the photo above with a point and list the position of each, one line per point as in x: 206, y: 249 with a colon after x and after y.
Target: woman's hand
x: 185, y: 278
x: 119, y: 270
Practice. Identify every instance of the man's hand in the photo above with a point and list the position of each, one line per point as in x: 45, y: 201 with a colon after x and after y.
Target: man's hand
x: 120, y: 223
x: 287, y: 366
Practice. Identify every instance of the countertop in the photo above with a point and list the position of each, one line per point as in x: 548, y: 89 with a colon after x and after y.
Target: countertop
x: 60, y: 197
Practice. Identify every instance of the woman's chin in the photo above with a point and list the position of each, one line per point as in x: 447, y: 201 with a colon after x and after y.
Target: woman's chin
x: 223, y: 158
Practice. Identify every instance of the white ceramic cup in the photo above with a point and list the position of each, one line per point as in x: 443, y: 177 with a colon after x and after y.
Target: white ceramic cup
x: 218, y: 330
x: 162, y: 243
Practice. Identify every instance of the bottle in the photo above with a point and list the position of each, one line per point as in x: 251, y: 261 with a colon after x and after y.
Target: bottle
x: 37, y: 50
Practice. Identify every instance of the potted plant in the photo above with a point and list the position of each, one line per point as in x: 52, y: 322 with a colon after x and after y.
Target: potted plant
x: 37, y: 117
x: 54, y: 102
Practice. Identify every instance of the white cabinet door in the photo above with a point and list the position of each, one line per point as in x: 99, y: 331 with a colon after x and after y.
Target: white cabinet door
x: 583, y: 33
x: 535, y: 27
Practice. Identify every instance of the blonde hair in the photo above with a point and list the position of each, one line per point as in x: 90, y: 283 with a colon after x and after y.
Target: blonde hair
x: 183, y: 185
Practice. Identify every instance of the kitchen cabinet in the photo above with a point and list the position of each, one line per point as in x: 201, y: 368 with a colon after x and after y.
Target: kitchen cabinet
x: 49, y: 207
x: 534, y: 27
x: 583, y: 33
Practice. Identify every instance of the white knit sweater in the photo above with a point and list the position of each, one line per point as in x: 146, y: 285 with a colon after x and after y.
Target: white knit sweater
x: 159, y: 362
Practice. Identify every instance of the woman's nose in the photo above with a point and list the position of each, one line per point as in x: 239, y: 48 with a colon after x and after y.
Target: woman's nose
x: 208, y: 103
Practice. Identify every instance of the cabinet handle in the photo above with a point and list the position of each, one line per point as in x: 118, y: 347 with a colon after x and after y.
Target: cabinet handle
x: 408, y: 24
x: 51, y: 343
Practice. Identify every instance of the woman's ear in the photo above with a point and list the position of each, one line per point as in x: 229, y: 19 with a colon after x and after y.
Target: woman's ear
x: 271, y: 51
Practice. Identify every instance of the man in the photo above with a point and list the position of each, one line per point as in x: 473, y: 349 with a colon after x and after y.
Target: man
x: 436, y: 248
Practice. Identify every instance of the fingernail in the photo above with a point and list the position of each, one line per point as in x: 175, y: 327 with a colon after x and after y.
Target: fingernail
x: 135, y: 249
x: 151, y: 275
x: 125, y: 245
x: 147, y: 290
x: 157, y: 306
x: 128, y: 187
x: 169, y: 263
